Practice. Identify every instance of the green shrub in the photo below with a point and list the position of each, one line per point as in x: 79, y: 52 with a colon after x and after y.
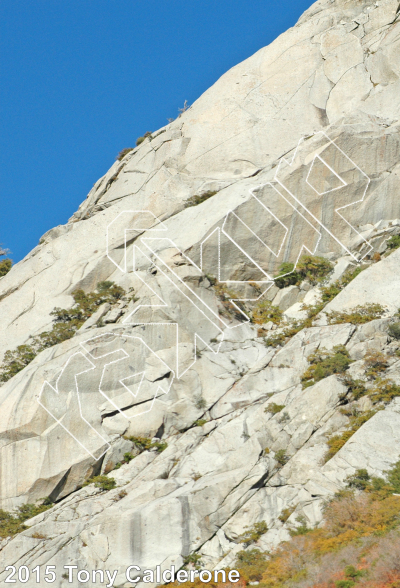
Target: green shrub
x: 274, y: 408
x: 5, y: 266
x: 196, y: 200
x: 362, y: 480
x: 140, y: 140
x: 225, y: 295
x: 160, y: 446
x: 199, y: 423
x: 352, y: 572
x: 141, y: 443
x: 285, y: 418
x: 393, y: 477
x: 13, y: 523
x: 394, y: 330
x: 358, y: 315
x: 384, y: 391
x: 309, y: 267
x: 103, y: 482
x: 281, y: 457
x: 128, y: 457
x: 67, y: 322
x: 290, y: 277
x: 328, y: 294
x: 359, y: 480
x: 15, y: 361
x: 201, y: 403
x: 251, y: 563
x: 301, y: 529
x: 264, y: 312
x: 349, y: 275
x: 145, y: 444
x: 193, y: 559
x: 356, y: 388
x: 287, y: 333
x: 344, y: 583
x: 393, y: 242
x: 253, y: 533
x: 275, y: 340
x: 313, y: 268
x: 10, y: 525
x: 336, y: 442
x: 375, y: 362
x: 212, y: 279
x: 325, y: 363
x: 124, y: 152
x: 285, y: 514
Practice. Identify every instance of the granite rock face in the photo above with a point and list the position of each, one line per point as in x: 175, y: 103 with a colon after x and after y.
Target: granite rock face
x: 294, y: 151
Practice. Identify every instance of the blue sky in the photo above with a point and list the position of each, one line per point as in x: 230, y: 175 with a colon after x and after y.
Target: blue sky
x: 82, y: 79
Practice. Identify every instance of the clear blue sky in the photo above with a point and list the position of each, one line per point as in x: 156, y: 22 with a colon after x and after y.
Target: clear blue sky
x: 82, y: 79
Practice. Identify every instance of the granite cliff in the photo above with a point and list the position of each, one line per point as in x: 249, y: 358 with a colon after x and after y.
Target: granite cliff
x: 185, y: 380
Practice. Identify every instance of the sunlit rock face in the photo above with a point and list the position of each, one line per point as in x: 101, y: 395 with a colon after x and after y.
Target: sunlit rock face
x: 294, y: 151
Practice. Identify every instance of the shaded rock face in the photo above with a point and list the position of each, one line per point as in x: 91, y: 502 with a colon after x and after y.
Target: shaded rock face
x: 294, y: 151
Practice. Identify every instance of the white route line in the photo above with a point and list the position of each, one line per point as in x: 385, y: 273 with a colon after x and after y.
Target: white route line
x: 270, y: 279
x: 56, y: 391
x: 160, y: 226
x: 132, y: 375
x: 196, y: 335
x: 332, y: 170
x: 290, y: 162
x: 85, y: 355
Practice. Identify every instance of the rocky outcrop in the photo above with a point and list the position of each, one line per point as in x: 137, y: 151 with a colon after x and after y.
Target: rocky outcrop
x: 294, y: 151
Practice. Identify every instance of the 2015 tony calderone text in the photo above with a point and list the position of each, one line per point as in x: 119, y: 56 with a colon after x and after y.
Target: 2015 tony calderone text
x: 133, y: 573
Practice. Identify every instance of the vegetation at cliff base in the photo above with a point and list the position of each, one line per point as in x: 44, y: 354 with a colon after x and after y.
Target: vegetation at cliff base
x: 357, y: 545
x: 66, y: 324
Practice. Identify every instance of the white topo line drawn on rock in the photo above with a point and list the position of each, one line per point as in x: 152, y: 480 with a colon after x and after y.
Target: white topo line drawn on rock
x: 255, y: 222
x: 115, y: 370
